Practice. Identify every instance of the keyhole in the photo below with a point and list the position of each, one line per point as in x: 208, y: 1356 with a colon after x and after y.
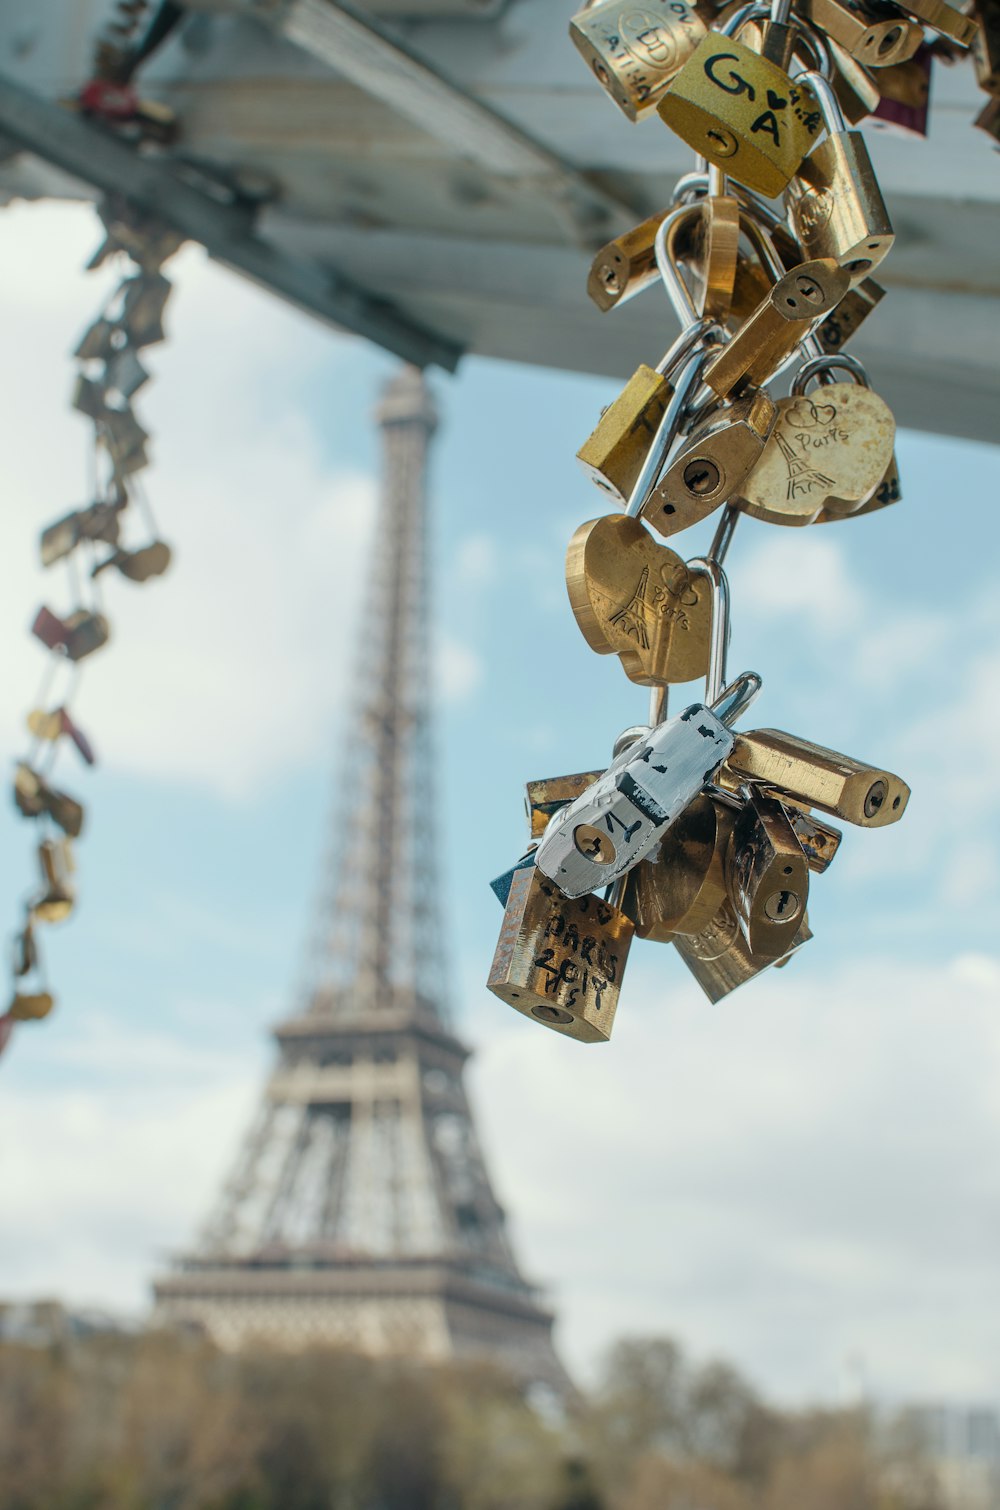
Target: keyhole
x: 594, y: 845
x: 723, y: 143
x: 877, y: 794
x: 551, y: 1014
x: 702, y: 477
x: 781, y: 905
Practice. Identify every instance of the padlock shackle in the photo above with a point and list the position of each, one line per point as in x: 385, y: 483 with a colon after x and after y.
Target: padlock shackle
x: 734, y: 700
x: 746, y: 13
x: 816, y: 366
x: 663, y: 247
x: 757, y: 217
x: 829, y: 105
x: 715, y: 679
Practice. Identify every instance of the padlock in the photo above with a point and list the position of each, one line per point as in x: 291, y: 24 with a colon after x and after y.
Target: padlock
x: 626, y: 265
x: 854, y: 308
x: 124, y: 374
x: 986, y: 45
x: 837, y: 209
x: 52, y: 724
x: 876, y: 35
x: 138, y: 566
x: 942, y: 17
x: 34, y: 797
x: 30, y: 1006
x: 613, y: 454
x: 712, y: 463
x: 89, y: 398
x: 857, y: 93
x: 559, y: 960
x: 820, y: 841
x: 500, y: 885
x: 772, y: 332
x: 988, y: 119
x: 149, y: 241
x: 98, y: 522
x: 682, y: 886
x: 544, y: 798
x: 767, y: 876
x: 720, y: 959
x: 904, y: 107
x: 637, y: 599
x: 835, y: 783
x: 741, y: 111
x: 827, y: 452
x: 125, y: 439
x: 145, y: 298
x: 99, y: 342
x: 77, y: 636
x: 888, y: 491
x: 718, y: 241
x: 635, y: 50
x: 56, y: 902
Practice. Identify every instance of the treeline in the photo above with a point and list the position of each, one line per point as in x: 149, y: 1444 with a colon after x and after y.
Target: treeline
x: 167, y: 1422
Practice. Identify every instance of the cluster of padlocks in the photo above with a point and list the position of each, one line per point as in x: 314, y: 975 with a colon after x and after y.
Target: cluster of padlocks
x: 91, y: 543
x: 696, y: 834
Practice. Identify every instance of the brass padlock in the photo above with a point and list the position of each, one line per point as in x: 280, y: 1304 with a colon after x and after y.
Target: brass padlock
x: 52, y: 724
x: 942, y: 17
x: 837, y: 209
x: 612, y: 455
x: 876, y: 35
x: 77, y: 636
x: 822, y: 778
x: 635, y: 50
x: 98, y: 522
x: 905, y: 88
x: 125, y: 439
x: 559, y: 961
x: 986, y: 45
x: 768, y: 876
x: 145, y: 299
x: 857, y: 93
x: 854, y: 308
x: 774, y: 329
x: 828, y: 452
x: 988, y: 119
x: 820, y: 841
x: 30, y: 1006
x: 34, y: 796
x: 544, y: 798
x: 638, y: 600
x: 99, y: 342
x: 682, y: 889
x: 626, y: 265
x: 56, y: 902
x: 741, y: 112
x: 888, y: 491
x: 720, y: 959
x: 712, y: 463
x: 140, y: 565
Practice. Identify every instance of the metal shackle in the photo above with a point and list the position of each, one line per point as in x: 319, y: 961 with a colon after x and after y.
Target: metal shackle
x: 718, y: 653
x: 817, y: 367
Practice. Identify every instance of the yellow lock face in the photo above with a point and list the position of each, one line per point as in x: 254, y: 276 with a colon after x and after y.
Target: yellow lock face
x: 635, y: 50
x: 613, y: 454
x: 835, y: 783
x: 829, y: 450
x: 742, y: 113
x: 638, y: 600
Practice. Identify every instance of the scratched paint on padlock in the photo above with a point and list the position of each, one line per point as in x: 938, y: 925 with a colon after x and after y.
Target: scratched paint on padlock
x: 828, y: 450
x: 637, y: 599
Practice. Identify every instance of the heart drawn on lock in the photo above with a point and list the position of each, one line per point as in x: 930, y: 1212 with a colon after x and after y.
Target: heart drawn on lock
x: 824, y: 454
x: 638, y: 600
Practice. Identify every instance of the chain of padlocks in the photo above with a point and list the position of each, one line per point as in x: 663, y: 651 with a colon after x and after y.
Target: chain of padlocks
x: 698, y: 835
x: 90, y: 543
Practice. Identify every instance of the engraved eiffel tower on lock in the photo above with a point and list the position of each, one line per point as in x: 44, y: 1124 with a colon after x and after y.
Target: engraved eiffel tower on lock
x: 360, y: 1212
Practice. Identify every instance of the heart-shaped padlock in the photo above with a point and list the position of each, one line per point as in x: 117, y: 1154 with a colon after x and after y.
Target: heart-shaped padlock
x: 638, y: 600
x: 828, y: 452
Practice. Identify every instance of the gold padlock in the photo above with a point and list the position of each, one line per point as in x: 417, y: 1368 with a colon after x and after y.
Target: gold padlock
x: 837, y: 209
x: 774, y: 329
x: 986, y: 45
x: 720, y: 959
x: 889, y: 491
x: 988, y: 119
x: 768, y: 876
x: 742, y: 112
x: 876, y: 37
x: 626, y: 265
x: 820, y: 841
x: 712, y: 464
x: 558, y: 961
x: 854, y: 308
x: 30, y: 1006
x: 822, y: 778
x: 942, y: 17
x: 635, y: 50
x: 857, y: 93
x: 545, y: 798
x: 683, y: 888
x: 56, y: 902
x: 613, y: 453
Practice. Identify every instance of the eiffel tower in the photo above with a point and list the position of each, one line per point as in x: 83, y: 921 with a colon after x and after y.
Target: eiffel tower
x: 360, y: 1212
x: 802, y: 475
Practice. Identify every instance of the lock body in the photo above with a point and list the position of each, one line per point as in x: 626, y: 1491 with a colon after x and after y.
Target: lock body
x: 822, y: 778
x: 774, y: 329
x: 839, y: 211
x: 836, y: 330
x: 30, y: 1006
x: 560, y: 961
x: 626, y: 265
x: 889, y: 490
x: 639, y: 600
x: 768, y: 876
x: 720, y: 959
x: 683, y: 887
x: 875, y: 37
x: 820, y: 841
x: 986, y: 45
x: 829, y: 451
x: 615, y: 451
x: 743, y: 113
x: 712, y: 464
x: 635, y: 50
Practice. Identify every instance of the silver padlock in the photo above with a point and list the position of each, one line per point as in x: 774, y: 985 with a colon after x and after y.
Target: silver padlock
x: 618, y: 820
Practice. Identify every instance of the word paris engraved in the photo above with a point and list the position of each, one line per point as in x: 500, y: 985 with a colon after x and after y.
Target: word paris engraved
x: 698, y: 833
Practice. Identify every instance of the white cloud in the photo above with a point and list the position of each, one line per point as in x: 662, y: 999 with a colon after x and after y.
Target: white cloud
x: 800, y: 574
x: 224, y: 672
x: 458, y: 670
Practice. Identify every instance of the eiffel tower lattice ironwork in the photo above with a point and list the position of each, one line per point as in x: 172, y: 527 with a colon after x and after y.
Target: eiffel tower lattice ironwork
x: 360, y: 1211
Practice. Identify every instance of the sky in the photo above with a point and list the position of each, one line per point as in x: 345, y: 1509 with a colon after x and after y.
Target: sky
x: 803, y: 1178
